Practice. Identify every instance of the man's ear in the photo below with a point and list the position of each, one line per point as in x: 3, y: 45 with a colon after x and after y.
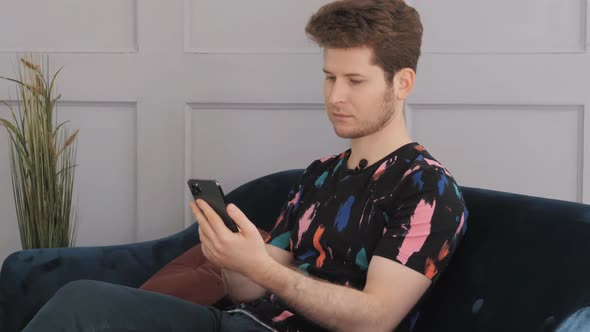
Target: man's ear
x: 404, y: 83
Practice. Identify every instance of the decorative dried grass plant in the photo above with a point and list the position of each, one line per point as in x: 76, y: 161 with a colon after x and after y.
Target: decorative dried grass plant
x: 43, y: 160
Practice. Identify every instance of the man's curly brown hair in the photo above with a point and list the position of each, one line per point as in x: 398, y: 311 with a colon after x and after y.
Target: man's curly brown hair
x: 391, y: 28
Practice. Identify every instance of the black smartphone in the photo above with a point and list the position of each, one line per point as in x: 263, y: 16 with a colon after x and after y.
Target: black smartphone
x: 210, y: 191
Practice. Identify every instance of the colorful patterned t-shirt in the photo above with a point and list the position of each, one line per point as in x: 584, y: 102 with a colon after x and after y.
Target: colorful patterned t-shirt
x: 406, y: 207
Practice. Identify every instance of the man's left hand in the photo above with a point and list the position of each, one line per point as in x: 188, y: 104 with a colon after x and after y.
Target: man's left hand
x: 243, y: 252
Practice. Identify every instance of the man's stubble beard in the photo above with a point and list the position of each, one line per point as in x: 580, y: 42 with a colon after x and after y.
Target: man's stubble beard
x: 371, y: 126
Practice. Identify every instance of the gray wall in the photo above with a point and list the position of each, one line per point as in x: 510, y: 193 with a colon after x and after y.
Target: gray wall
x: 167, y: 90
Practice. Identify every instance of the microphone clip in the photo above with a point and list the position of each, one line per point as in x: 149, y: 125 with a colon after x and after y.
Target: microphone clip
x: 362, y: 164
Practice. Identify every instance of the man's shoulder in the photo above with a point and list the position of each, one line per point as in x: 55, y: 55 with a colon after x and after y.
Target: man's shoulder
x: 417, y: 170
x: 412, y: 161
x: 425, y: 162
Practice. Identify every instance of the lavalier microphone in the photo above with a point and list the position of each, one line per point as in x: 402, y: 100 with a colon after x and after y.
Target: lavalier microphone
x: 362, y: 164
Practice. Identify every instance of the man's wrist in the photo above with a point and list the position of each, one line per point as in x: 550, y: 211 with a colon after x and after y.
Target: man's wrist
x: 262, y: 273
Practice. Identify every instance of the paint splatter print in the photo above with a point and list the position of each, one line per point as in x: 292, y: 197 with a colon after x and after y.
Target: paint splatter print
x: 406, y: 207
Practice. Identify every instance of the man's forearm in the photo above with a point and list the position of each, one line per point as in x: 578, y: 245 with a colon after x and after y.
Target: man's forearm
x: 333, y: 306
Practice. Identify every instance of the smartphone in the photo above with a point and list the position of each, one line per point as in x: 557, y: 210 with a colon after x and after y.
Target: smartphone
x: 210, y: 191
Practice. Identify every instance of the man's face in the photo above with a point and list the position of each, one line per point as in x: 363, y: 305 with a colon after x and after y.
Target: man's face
x: 358, y: 100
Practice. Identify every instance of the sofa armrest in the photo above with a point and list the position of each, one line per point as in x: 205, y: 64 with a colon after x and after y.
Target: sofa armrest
x: 28, y: 278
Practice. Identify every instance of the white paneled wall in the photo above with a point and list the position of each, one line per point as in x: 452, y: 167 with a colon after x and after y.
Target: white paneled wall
x: 502, y: 94
x: 511, y: 27
x: 108, y: 26
x: 166, y: 90
x: 527, y: 149
x: 265, y: 138
x: 106, y: 180
x: 224, y: 27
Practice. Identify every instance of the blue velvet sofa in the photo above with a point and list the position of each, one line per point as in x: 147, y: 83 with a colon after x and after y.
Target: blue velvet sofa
x: 523, y: 265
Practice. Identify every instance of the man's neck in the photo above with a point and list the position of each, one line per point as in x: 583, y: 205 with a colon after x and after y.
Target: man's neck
x: 378, y: 145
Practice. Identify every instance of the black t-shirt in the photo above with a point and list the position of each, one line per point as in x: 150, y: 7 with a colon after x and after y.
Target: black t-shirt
x: 406, y: 207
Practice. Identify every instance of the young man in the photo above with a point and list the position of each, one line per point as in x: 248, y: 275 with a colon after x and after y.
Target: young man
x: 363, y: 234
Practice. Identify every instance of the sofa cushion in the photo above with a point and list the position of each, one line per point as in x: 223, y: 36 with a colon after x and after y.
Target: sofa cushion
x: 191, y: 277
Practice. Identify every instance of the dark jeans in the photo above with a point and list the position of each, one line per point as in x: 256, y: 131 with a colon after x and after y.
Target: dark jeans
x: 87, y: 305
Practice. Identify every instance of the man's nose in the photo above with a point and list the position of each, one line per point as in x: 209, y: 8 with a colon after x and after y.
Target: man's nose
x: 338, y: 93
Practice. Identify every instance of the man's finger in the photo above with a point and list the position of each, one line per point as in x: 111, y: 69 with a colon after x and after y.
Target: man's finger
x: 214, y: 219
x: 204, y: 223
x: 197, y: 213
x: 240, y: 218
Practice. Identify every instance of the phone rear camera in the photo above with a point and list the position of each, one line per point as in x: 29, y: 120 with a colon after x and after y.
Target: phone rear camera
x: 195, y: 189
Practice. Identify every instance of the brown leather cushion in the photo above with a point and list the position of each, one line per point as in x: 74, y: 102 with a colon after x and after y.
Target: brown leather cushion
x: 191, y: 277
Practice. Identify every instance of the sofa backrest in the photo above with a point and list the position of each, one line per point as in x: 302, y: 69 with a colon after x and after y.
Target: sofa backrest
x: 523, y: 265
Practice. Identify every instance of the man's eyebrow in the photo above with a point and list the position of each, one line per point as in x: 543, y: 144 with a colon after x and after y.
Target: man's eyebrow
x: 347, y: 75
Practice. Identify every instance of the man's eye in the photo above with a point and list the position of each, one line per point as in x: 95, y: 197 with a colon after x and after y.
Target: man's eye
x: 355, y: 82
x: 329, y: 78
